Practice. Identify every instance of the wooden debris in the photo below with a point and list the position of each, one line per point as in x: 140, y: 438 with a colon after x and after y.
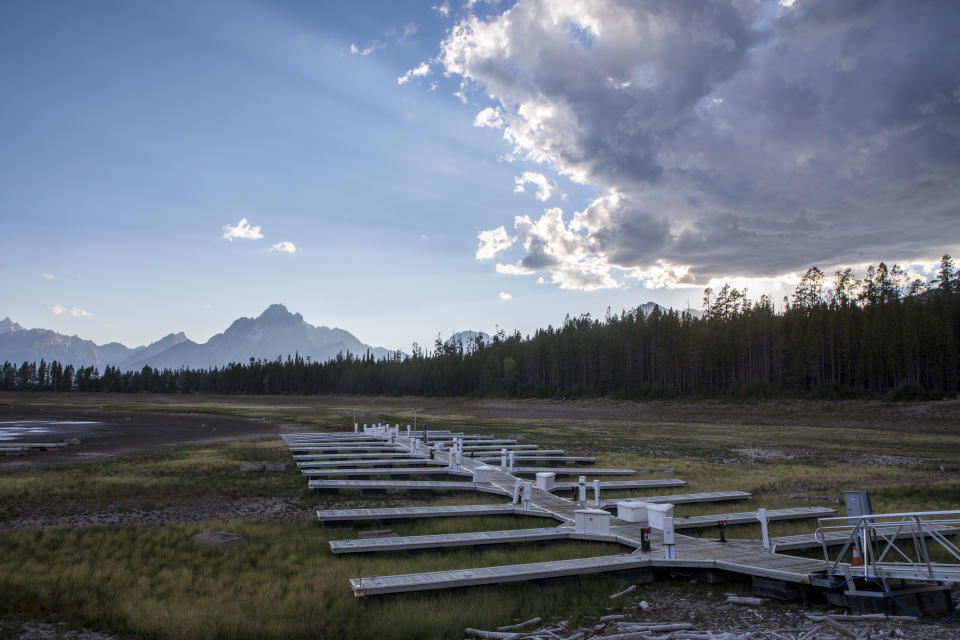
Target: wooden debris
x: 491, y: 635
x: 832, y: 622
x: 747, y: 600
x: 520, y: 625
x: 629, y: 589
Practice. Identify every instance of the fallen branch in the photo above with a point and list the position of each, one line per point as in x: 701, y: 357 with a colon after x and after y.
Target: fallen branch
x: 520, y: 625
x: 744, y: 600
x: 629, y: 589
x: 491, y: 635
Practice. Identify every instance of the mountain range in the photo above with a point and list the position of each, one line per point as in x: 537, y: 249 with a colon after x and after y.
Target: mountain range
x: 275, y: 333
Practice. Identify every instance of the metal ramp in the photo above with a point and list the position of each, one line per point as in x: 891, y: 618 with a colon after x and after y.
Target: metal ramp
x: 908, y: 546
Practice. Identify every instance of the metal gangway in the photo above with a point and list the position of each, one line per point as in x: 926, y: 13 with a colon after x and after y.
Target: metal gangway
x: 908, y: 546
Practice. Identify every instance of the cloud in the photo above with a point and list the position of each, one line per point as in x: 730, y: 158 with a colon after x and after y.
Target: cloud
x: 442, y: 8
x: 408, y: 32
x: 747, y: 140
x: 242, y: 230
x: 365, y: 51
x: 284, y: 247
x: 505, y: 296
x: 544, y: 187
x: 60, y: 310
x: 492, y: 242
x: 417, y: 72
x: 489, y: 117
x: 48, y: 276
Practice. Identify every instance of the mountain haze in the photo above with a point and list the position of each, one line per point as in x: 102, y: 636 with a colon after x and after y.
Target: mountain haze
x: 275, y: 333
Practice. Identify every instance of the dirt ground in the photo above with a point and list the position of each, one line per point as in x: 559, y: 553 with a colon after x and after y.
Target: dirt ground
x: 117, y: 433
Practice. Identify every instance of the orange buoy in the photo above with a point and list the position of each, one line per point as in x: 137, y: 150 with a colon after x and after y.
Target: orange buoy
x: 857, y: 558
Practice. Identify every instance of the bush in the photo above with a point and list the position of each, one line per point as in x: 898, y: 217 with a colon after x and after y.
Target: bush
x: 908, y: 391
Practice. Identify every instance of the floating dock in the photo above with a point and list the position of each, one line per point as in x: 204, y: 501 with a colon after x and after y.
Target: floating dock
x: 402, y: 485
x: 681, y: 498
x: 745, y: 557
x: 616, y: 485
x: 475, y: 538
x: 543, y: 458
x: 750, y: 517
x: 410, y: 513
x: 356, y: 464
x: 398, y: 471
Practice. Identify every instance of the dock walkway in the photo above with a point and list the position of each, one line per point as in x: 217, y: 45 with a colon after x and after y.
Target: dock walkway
x: 745, y: 557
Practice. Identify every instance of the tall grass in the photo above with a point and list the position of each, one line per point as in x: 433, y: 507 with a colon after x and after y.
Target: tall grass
x: 283, y: 582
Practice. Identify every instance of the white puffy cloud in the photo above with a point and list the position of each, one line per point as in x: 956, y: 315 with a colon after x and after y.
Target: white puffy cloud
x: 544, y: 187
x: 443, y: 8
x: 728, y: 138
x: 48, y: 276
x: 60, y: 310
x: 419, y: 71
x: 505, y: 296
x: 284, y: 247
x: 242, y: 229
x: 489, y: 117
x: 492, y: 242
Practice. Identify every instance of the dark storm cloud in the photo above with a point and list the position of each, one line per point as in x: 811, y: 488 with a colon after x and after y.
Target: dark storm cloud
x: 735, y: 138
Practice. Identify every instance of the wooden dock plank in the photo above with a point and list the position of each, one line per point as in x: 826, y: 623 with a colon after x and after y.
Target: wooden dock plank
x: 750, y: 517
x: 404, y: 485
x: 681, y: 498
x: 541, y: 458
x: 389, y: 462
x: 410, y: 513
x: 375, y: 585
x: 399, y: 471
x: 625, y: 484
x: 306, y: 457
x: 473, y: 538
x: 572, y: 471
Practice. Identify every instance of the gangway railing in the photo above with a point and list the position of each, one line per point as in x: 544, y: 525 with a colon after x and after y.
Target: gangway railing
x: 910, y: 546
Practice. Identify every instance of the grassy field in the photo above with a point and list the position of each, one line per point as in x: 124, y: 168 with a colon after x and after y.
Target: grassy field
x: 154, y: 582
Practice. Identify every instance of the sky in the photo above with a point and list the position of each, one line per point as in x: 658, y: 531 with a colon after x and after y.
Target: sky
x: 408, y: 169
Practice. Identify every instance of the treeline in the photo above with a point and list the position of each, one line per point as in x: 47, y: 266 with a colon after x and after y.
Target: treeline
x: 880, y: 336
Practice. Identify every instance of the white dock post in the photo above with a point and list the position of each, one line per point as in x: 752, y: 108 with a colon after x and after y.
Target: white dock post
x: 356, y: 427
x: 512, y: 460
x: 503, y: 458
x: 582, y: 485
x: 364, y: 428
x: 451, y: 459
x: 764, y: 533
x: 408, y: 431
x: 459, y: 457
x: 517, y: 486
x: 596, y: 493
x: 527, y: 496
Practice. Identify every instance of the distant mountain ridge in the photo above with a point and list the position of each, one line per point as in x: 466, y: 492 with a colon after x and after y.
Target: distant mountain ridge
x: 275, y: 333
x: 467, y: 340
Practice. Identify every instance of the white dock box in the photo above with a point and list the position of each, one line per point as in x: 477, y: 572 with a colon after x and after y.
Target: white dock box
x: 632, y: 511
x: 483, y: 474
x: 595, y: 521
x: 658, y: 513
x: 546, y: 480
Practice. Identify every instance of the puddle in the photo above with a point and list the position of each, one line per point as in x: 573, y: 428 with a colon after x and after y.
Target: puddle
x: 11, y: 430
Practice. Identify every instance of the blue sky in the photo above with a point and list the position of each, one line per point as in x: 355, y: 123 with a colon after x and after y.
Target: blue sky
x: 134, y: 132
